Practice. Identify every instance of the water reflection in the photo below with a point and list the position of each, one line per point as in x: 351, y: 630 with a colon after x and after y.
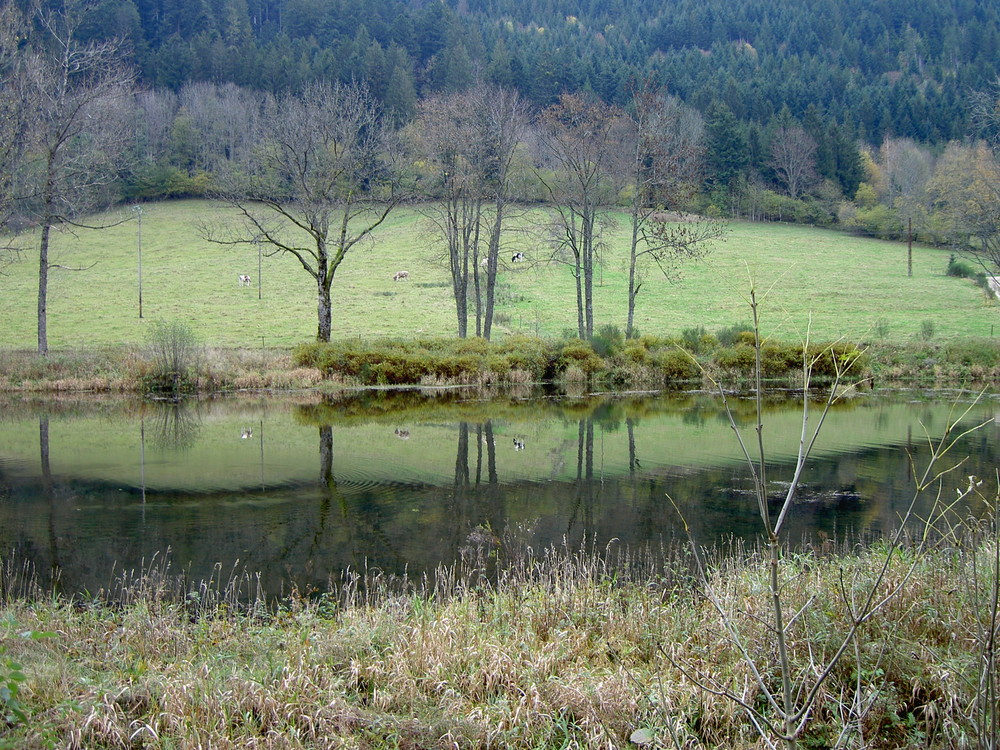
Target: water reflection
x: 407, y: 480
x: 174, y: 424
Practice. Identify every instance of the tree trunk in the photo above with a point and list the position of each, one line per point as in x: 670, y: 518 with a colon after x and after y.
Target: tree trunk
x: 43, y: 288
x: 491, y: 275
x: 632, y: 290
x: 461, y: 304
x: 588, y: 297
x: 471, y: 255
x: 491, y: 270
x: 326, y: 455
x: 588, y: 272
x: 477, y: 282
x: 578, y: 274
x: 454, y: 224
x: 460, y: 286
x: 323, y: 309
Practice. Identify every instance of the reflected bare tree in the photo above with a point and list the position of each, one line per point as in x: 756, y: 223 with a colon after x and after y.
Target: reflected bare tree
x: 491, y: 452
x: 633, y: 458
x: 176, y: 425
x: 329, y: 492
x: 480, y: 508
x: 460, y: 511
x: 583, y: 493
x: 48, y: 488
x: 358, y: 530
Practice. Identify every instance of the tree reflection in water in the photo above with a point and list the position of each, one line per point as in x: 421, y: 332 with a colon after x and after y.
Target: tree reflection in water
x: 175, y: 425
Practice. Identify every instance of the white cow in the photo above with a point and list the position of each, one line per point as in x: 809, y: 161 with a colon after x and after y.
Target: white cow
x: 400, y: 275
x: 245, y: 280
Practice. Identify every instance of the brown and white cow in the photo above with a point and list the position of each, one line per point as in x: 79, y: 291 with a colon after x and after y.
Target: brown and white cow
x: 400, y: 275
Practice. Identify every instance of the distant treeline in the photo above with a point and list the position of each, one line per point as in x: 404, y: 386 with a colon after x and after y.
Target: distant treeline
x: 806, y: 172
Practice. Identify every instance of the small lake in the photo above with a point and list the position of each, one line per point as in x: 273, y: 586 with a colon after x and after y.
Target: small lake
x: 301, y: 487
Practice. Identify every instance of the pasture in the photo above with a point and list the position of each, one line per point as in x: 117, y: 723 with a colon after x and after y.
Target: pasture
x: 848, y: 286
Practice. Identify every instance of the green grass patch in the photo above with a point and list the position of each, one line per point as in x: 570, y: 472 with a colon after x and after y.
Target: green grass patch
x: 845, y: 285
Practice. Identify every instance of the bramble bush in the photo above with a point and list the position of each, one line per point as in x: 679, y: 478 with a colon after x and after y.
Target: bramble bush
x: 651, y: 360
x: 175, y: 356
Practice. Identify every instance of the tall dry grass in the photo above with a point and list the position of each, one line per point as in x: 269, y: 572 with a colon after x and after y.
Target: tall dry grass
x: 126, y: 370
x: 506, y: 649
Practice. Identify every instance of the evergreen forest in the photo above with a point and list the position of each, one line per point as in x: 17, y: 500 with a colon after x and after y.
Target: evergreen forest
x: 890, y: 68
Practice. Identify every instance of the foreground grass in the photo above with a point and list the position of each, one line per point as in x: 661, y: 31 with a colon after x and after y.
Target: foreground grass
x: 563, y: 650
x: 853, y: 287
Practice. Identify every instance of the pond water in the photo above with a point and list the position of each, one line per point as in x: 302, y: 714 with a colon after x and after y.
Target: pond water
x: 302, y: 487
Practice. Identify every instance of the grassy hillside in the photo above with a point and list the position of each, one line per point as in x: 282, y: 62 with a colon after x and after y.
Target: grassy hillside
x: 851, y: 286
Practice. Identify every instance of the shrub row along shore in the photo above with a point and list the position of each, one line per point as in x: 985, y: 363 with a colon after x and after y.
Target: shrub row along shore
x: 609, y: 361
x: 567, y: 649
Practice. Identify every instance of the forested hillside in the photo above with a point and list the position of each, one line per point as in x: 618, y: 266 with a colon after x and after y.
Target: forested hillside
x: 887, y: 68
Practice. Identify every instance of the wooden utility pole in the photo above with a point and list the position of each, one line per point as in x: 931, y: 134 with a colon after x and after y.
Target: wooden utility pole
x: 138, y: 214
x: 909, y: 247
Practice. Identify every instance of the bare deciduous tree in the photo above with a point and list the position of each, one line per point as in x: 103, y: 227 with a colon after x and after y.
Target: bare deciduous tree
x: 220, y: 121
x: 583, y: 162
x: 793, y: 157
x: 446, y: 135
x: 471, y: 139
x: 985, y: 113
x: 155, y: 112
x: 78, y: 97
x: 322, y: 177
x: 668, y: 147
x: 503, y: 125
x: 906, y: 168
x: 783, y: 684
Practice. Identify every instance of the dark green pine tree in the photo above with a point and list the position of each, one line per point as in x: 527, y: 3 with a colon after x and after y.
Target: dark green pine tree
x: 457, y: 73
x: 850, y: 169
x: 728, y: 146
x: 401, y: 96
x: 500, y: 70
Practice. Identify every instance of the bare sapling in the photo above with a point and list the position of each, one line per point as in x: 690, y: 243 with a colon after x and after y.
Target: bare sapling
x: 980, y: 561
x: 786, y: 638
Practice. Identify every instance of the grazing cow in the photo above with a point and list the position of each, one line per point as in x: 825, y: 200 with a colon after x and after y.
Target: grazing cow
x: 245, y: 280
x: 247, y: 433
x: 400, y: 275
x: 516, y: 257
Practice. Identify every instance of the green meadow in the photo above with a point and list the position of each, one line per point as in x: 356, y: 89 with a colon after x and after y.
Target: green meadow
x: 846, y: 285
